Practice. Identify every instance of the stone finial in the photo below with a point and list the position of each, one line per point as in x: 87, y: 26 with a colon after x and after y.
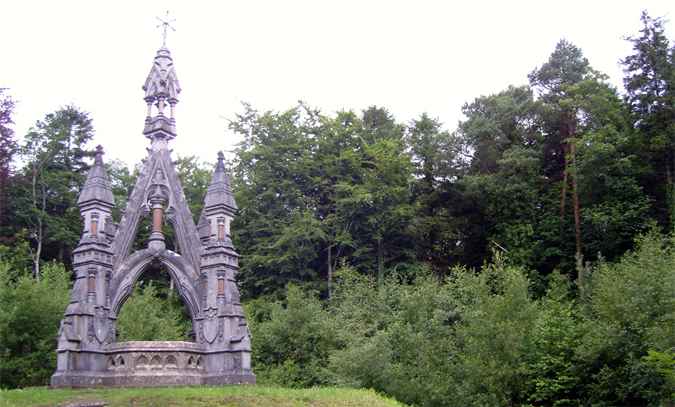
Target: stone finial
x: 162, y: 82
x: 97, y: 187
x: 220, y: 193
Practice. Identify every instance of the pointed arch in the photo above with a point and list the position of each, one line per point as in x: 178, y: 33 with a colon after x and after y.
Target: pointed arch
x: 128, y: 272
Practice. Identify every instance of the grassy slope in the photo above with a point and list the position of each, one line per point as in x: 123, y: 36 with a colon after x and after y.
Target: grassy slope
x: 196, y: 396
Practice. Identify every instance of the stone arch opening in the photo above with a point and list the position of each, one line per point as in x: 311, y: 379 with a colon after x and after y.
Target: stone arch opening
x: 154, y: 311
x: 169, y: 231
x: 129, y: 272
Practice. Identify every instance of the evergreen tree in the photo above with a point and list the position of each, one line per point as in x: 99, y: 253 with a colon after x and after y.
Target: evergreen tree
x: 502, y: 139
x: 433, y: 192
x: 565, y: 68
x: 650, y: 92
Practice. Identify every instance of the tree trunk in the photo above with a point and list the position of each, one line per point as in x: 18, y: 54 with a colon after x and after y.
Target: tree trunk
x: 38, y: 251
x: 577, y: 223
x: 564, y: 190
x: 378, y: 252
x: 330, y: 272
x: 59, y: 254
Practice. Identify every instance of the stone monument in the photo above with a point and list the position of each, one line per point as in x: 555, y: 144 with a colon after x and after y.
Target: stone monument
x: 203, y: 270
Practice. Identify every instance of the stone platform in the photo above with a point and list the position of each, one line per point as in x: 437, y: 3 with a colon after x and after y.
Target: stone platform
x: 149, y: 364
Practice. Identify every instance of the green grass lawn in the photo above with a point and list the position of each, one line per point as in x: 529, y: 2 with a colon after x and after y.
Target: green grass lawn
x: 235, y: 396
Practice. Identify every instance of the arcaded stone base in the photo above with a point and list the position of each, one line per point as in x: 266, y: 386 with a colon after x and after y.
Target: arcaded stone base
x: 149, y: 364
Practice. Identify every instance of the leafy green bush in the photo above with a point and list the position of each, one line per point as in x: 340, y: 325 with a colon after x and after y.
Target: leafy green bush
x: 146, y: 316
x: 30, y: 314
x: 630, y: 310
x: 292, y: 339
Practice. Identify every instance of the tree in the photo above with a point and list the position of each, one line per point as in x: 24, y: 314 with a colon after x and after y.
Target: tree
x: 613, y: 207
x: 276, y: 225
x: 566, y: 67
x: 434, y: 169
x: 381, y: 198
x: 8, y: 147
x: 502, y: 139
x: 121, y: 183
x: 55, y: 154
x: 650, y: 92
x: 337, y: 168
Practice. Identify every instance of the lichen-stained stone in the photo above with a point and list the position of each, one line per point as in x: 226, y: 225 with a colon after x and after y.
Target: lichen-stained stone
x: 203, y: 271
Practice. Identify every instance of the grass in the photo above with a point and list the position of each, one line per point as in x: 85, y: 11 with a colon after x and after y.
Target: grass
x: 234, y: 396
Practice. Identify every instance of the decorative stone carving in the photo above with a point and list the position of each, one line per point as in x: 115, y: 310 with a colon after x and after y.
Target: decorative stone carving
x: 210, y: 325
x: 102, y: 325
x: 162, y: 80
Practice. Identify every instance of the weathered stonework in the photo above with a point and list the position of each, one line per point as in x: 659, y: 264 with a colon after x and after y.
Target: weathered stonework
x: 203, y: 271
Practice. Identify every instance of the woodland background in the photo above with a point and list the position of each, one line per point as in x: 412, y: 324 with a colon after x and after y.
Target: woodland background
x: 525, y: 258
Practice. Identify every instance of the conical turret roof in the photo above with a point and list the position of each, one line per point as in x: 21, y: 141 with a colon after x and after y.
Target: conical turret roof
x: 97, y: 187
x: 220, y: 191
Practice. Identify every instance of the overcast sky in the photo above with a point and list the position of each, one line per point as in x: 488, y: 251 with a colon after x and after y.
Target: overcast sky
x: 410, y: 57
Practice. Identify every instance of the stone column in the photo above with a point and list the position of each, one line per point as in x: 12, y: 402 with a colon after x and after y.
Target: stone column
x: 221, y: 228
x: 156, y: 240
x: 94, y: 224
x: 91, y: 293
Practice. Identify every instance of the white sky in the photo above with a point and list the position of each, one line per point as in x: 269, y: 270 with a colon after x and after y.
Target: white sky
x: 409, y: 57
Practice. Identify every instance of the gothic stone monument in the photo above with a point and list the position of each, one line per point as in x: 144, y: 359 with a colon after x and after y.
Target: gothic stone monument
x: 219, y: 351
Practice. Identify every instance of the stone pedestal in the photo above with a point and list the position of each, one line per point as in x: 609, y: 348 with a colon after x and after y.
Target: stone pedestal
x: 149, y: 364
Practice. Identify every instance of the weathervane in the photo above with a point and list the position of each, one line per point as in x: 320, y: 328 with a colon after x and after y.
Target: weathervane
x: 165, y: 24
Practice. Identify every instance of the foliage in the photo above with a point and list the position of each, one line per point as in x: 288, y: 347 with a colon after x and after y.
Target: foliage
x: 498, y: 332
x: 501, y: 137
x: 650, y: 94
x: 314, y: 189
x: 552, y: 378
x: 630, y: 310
x: 195, y: 178
x: 30, y: 313
x: 278, y: 228
x: 397, y: 338
x: 46, y: 201
x: 8, y: 147
x: 293, y: 339
x: 146, y: 316
x: 121, y: 183
x: 664, y: 363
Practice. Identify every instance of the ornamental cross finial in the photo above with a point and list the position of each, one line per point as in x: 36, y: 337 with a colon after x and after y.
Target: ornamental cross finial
x: 166, y: 24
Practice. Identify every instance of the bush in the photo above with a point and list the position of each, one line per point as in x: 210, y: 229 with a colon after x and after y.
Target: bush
x: 30, y: 314
x: 146, y: 316
x: 630, y: 310
x: 291, y: 340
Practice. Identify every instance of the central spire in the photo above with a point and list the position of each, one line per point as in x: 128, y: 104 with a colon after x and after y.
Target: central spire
x: 161, y: 87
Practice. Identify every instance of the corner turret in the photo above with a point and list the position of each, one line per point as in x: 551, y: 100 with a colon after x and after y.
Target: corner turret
x: 96, y: 200
x: 219, y: 206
